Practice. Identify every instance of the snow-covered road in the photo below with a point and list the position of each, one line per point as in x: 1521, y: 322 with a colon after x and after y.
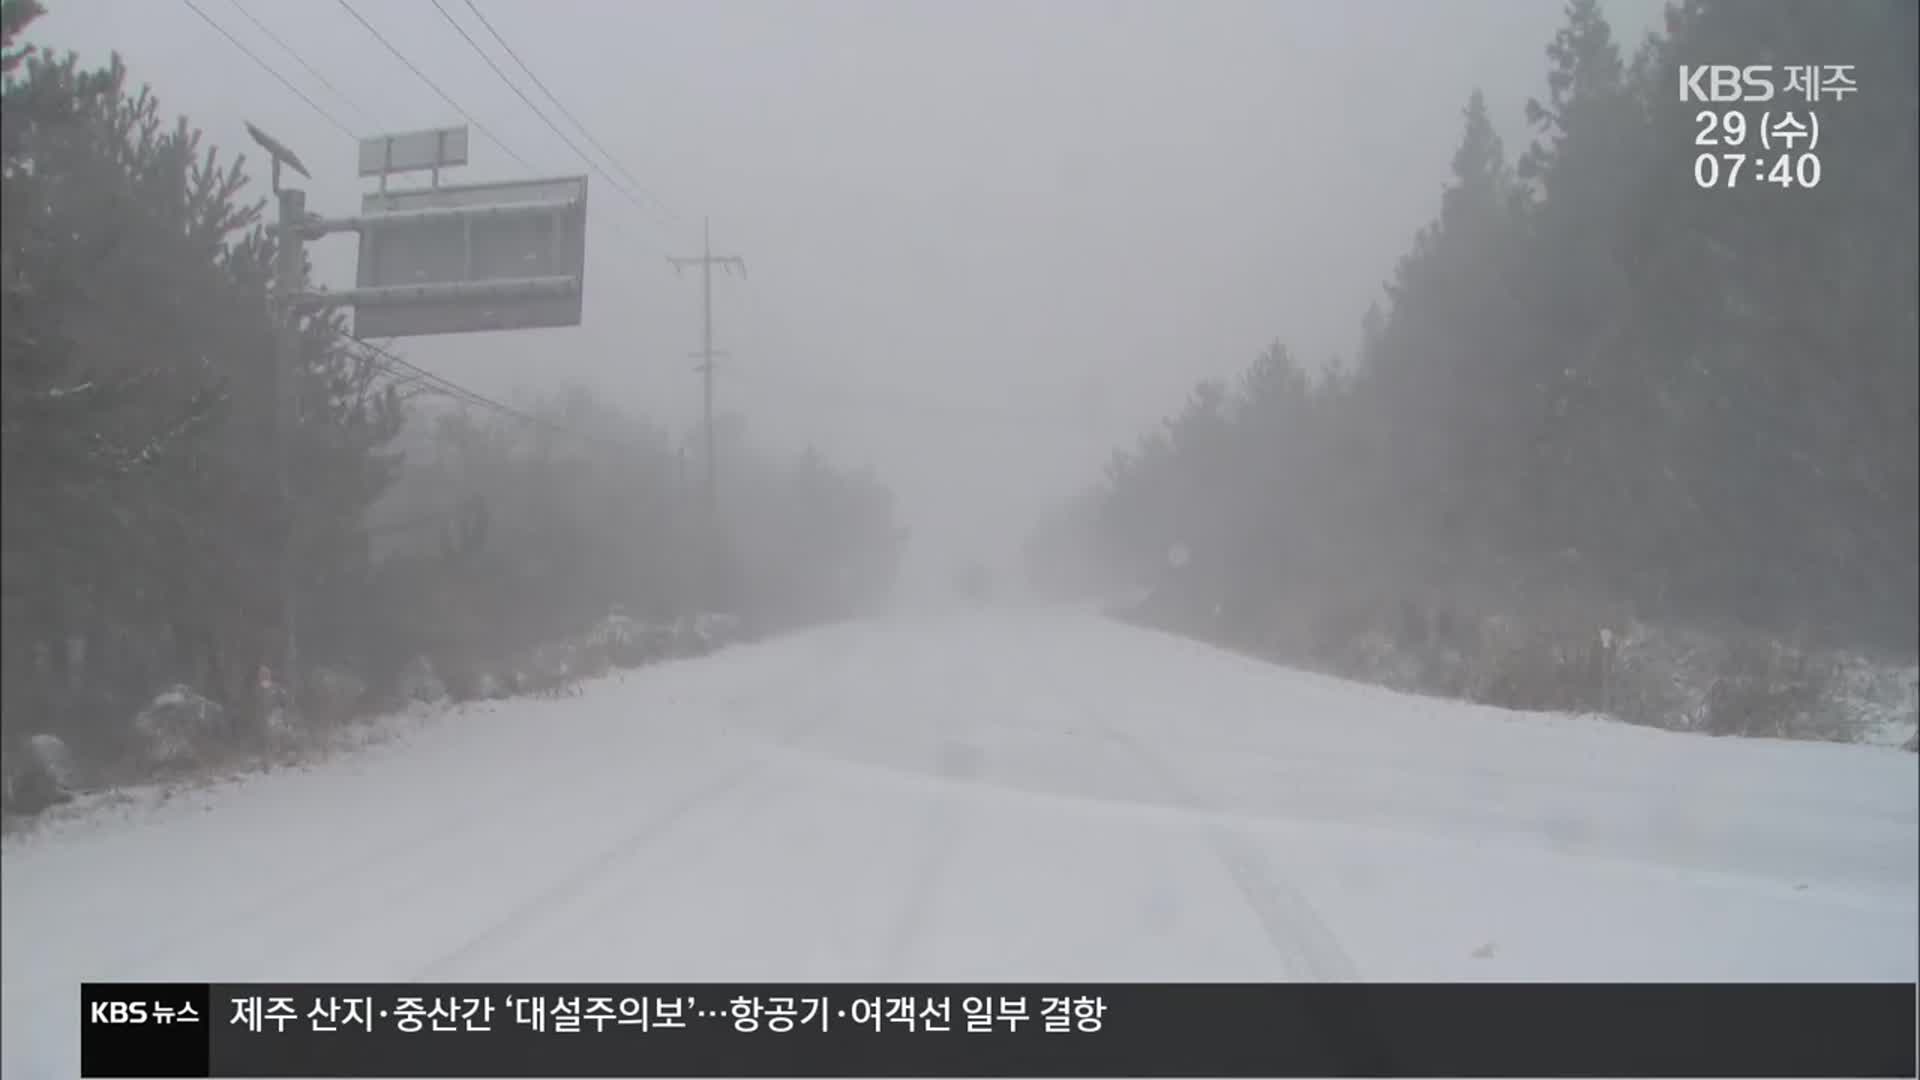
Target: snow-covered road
x: 984, y: 796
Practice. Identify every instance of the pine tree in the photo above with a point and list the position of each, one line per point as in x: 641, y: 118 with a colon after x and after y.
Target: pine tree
x: 1593, y: 376
x: 143, y: 524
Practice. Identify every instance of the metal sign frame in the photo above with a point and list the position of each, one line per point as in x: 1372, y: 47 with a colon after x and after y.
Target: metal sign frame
x: 413, y: 151
x: 474, y: 257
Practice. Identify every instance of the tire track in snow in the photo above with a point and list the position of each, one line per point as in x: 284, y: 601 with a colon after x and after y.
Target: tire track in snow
x: 528, y: 912
x: 477, y: 845
x: 343, y: 877
x: 1293, y: 928
x: 523, y: 920
x: 300, y: 891
x: 595, y: 903
x: 525, y: 915
x: 316, y: 913
x: 959, y: 762
x: 306, y: 892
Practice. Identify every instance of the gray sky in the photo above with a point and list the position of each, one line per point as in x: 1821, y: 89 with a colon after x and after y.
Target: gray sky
x: 990, y: 240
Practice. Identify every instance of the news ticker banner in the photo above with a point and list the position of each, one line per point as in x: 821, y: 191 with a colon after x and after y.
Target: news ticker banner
x: 490, y: 1030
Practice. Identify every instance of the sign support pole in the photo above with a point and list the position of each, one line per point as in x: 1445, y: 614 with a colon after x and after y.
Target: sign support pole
x: 290, y: 257
x: 415, y: 151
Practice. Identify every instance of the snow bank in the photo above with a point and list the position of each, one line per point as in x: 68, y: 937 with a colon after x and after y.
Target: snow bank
x: 185, y: 738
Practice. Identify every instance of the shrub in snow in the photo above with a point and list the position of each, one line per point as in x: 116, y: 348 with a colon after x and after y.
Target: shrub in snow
x: 463, y: 680
x: 51, y: 755
x: 41, y: 773
x: 613, y: 631
x: 1878, y: 700
x: 1520, y: 674
x: 1763, y: 689
x: 588, y: 656
x: 1540, y: 666
x: 1334, y: 639
x: 1661, y: 676
x: 719, y: 629
x: 1372, y: 656
x: 179, y: 727
x: 26, y: 787
x: 1723, y: 683
x: 545, y: 669
x: 519, y: 673
x: 283, y: 723
x: 483, y: 682
x: 657, y: 641
x: 488, y: 686
x: 1448, y: 671
x: 418, y: 682
x: 334, y: 695
x: 557, y: 662
x: 690, y: 638
x: 1911, y: 721
x: 1507, y: 661
x: 626, y: 642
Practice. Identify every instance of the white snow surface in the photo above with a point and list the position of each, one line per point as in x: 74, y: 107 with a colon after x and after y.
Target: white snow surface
x: 1010, y: 795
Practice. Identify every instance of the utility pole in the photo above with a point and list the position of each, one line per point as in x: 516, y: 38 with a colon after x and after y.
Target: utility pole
x: 681, y: 537
x: 707, y: 260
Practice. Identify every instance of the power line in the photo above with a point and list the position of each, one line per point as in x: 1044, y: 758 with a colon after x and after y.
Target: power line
x: 389, y: 361
x: 269, y: 69
x: 511, y: 85
x: 568, y: 113
x: 511, y: 152
x: 400, y: 367
x: 435, y: 87
x: 302, y: 61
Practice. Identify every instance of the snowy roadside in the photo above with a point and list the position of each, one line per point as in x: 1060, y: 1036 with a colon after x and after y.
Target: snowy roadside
x: 1884, y: 699
x: 159, y: 799
x: 184, y: 761
x: 1678, y: 680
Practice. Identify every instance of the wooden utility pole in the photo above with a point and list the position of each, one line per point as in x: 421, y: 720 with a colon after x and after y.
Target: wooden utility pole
x: 706, y: 261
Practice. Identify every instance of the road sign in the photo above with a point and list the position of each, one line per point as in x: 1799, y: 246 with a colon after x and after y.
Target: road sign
x: 449, y: 260
x: 413, y: 151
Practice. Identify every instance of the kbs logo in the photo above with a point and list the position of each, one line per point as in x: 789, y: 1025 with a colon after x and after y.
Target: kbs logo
x: 118, y: 1012
x: 1726, y: 83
